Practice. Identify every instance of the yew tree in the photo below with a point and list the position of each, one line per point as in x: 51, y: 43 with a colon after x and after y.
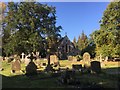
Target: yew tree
x: 26, y: 27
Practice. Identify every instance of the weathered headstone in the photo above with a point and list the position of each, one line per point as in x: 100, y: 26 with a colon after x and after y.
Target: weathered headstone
x: 86, y: 59
x: 11, y: 58
x: 6, y: 59
x: 70, y: 58
x: 53, y: 59
x: 27, y: 60
x: 16, y: 65
x: 74, y: 59
x: 96, y: 66
x: 31, y: 68
x: 37, y: 53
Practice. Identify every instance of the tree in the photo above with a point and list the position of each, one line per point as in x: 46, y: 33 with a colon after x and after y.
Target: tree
x: 26, y: 26
x: 82, y: 42
x: 2, y: 11
x: 75, y: 42
x: 107, y: 39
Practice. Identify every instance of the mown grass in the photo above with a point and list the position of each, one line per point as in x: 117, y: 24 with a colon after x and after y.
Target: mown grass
x: 44, y: 80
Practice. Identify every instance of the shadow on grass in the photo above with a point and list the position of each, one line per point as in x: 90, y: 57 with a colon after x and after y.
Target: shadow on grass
x: 49, y: 80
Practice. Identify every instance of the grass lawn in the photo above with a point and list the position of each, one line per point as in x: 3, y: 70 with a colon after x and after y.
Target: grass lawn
x: 45, y: 80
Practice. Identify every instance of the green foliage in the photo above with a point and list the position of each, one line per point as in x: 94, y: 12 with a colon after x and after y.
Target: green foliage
x: 26, y: 26
x: 82, y: 41
x: 75, y: 41
x: 107, y: 39
x: 85, y: 44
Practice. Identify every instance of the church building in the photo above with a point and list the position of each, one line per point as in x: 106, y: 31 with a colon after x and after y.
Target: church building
x: 66, y: 48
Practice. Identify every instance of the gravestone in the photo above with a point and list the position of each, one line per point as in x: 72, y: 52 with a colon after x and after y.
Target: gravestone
x: 77, y: 67
x: 67, y: 76
x: 74, y: 59
x: 86, y: 59
x: 27, y: 60
x: 37, y: 55
x: 6, y: 59
x: 53, y: 59
x: 38, y: 63
x: 11, y: 58
x: 16, y: 65
x: 70, y: 58
x: 31, y: 68
x: 96, y: 66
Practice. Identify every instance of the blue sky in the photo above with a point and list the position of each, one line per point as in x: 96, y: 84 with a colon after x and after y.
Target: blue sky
x: 79, y: 16
x: 76, y: 17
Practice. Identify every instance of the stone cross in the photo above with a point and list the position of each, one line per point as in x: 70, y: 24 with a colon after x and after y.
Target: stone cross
x: 22, y: 56
x: 32, y: 57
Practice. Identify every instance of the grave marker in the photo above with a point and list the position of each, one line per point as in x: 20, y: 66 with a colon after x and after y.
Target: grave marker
x: 16, y: 65
x: 96, y: 66
x: 22, y: 57
x: 70, y: 58
x: 53, y: 59
x: 27, y: 60
x: 77, y: 67
x: 86, y: 59
x: 31, y: 68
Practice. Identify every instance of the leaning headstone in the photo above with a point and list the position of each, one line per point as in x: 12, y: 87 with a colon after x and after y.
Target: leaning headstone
x: 96, y: 66
x: 86, y: 59
x: 16, y: 65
